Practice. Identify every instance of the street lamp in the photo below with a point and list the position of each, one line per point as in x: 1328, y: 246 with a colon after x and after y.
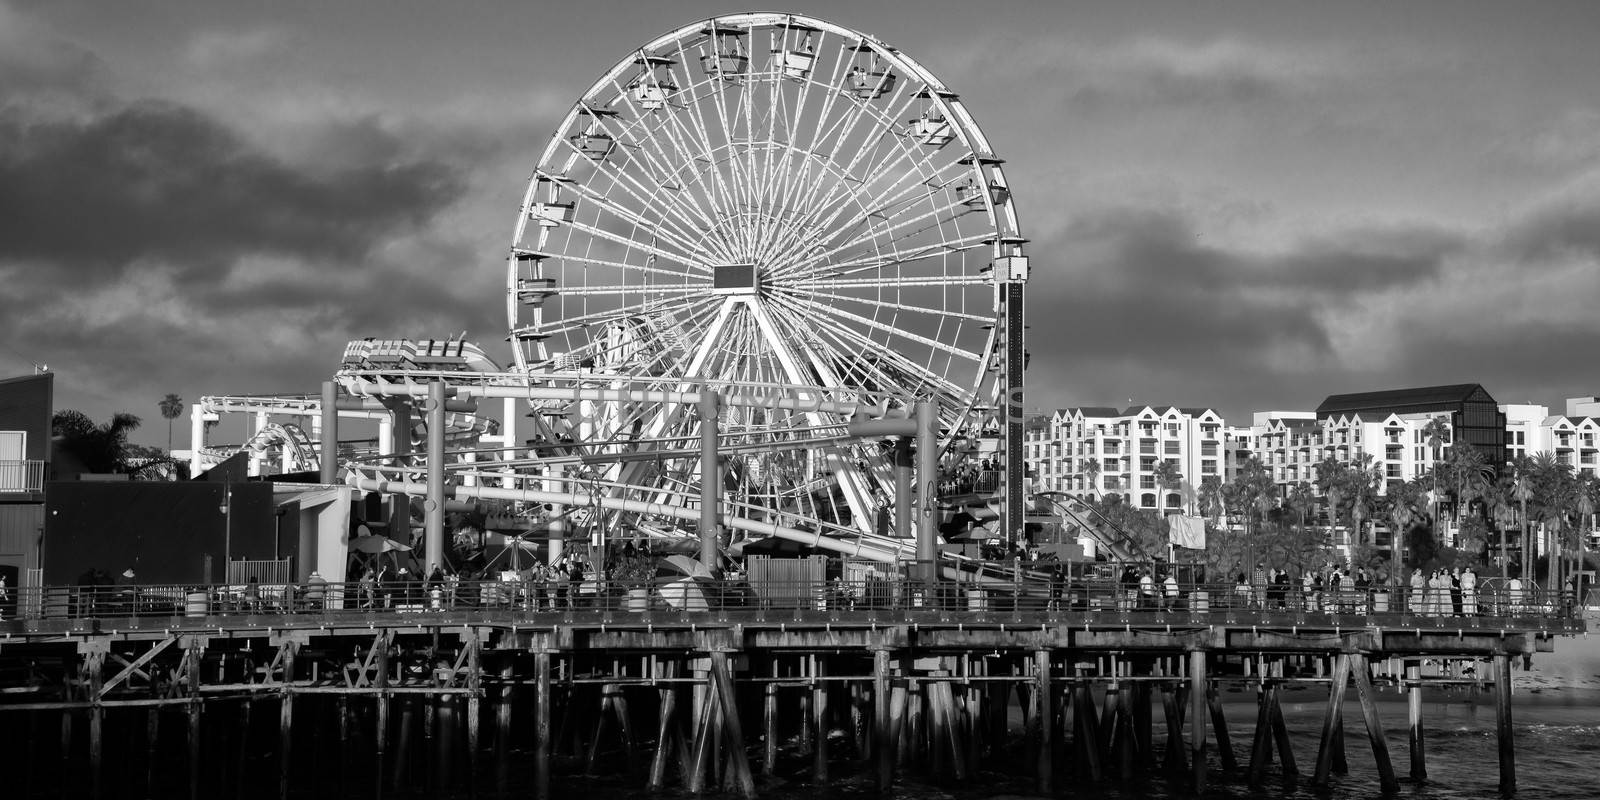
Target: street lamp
x: 226, y: 508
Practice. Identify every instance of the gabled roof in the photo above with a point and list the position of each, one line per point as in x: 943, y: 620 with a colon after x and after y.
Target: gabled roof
x: 1098, y: 411
x: 1404, y: 401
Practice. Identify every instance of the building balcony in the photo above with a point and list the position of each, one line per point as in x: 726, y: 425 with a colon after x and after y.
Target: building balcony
x: 21, y: 476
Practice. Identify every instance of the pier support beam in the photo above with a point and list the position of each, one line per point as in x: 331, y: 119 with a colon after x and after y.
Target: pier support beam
x: 1504, y: 735
x: 1369, y: 711
x: 1332, y: 724
x: 1419, y: 750
x: 1197, y: 717
x: 541, y: 725
x: 1043, y: 722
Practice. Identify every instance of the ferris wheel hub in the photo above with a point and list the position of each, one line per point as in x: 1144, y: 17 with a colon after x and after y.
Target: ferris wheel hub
x: 735, y: 279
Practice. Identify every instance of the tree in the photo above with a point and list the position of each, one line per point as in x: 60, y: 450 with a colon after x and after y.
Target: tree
x: 1168, y: 476
x: 1555, y: 497
x: 1522, y: 492
x: 171, y: 409
x: 1211, y: 499
x: 100, y: 448
x: 1091, y: 468
x: 1437, y: 432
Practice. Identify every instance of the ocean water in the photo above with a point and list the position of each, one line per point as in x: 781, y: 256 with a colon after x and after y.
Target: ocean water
x: 1557, y: 758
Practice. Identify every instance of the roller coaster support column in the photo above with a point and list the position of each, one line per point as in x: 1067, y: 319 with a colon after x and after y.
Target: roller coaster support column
x: 329, y: 460
x: 904, y: 485
x: 710, y: 479
x: 927, y: 488
x: 433, y: 506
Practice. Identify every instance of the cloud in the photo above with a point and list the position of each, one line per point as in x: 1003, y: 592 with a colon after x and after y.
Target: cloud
x: 42, y: 73
x: 164, y: 181
x: 221, y: 49
x: 1563, y: 224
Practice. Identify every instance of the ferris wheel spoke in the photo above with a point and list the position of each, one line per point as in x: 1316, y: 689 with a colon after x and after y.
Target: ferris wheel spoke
x: 907, y: 307
x: 889, y: 330
x: 896, y: 230
x: 897, y: 192
x: 812, y: 203
x: 700, y: 134
x: 662, y: 171
x: 852, y: 347
x: 900, y: 264
x: 650, y: 249
x: 632, y: 188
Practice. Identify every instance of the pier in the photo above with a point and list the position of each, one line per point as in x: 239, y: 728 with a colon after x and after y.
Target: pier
x: 930, y: 680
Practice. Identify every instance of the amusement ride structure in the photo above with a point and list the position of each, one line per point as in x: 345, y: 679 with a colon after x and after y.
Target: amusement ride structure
x: 745, y: 235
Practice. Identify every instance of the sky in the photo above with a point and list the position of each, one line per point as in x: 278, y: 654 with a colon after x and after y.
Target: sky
x: 1245, y: 206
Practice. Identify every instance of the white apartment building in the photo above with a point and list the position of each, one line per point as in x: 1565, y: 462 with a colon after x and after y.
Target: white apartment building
x: 1127, y: 445
x: 1573, y: 438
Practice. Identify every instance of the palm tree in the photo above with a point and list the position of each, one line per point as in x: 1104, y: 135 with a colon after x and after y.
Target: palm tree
x: 1588, y: 487
x: 1091, y: 468
x: 1211, y: 498
x: 1302, y: 498
x: 1438, y: 433
x: 1522, y: 492
x: 1469, y: 470
x: 1505, y: 518
x: 1555, y: 497
x: 1168, y: 476
x: 171, y: 409
x: 101, y: 448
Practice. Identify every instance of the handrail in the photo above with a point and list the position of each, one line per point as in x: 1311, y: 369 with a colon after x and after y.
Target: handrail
x: 534, y: 591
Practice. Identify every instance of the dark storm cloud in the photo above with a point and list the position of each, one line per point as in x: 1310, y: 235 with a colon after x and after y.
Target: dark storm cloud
x: 160, y: 180
x: 1148, y: 308
x: 1563, y: 227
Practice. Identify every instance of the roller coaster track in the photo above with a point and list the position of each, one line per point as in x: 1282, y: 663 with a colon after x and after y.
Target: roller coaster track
x: 1113, y: 537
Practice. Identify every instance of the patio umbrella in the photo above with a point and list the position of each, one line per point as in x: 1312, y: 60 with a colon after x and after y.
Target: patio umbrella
x: 684, y: 594
x: 682, y: 565
x: 374, y: 544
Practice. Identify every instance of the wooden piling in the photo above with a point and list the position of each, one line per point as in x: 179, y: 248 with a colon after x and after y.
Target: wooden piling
x: 502, y: 727
x: 882, y: 745
x: 287, y: 653
x: 1332, y: 730
x: 1197, y: 718
x: 1503, y: 730
x: 1219, y: 726
x: 732, y: 729
x: 819, y: 721
x: 1042, y: 721
x: 1419, y: 749
x: 541, y: 725
x: 1369, y: 710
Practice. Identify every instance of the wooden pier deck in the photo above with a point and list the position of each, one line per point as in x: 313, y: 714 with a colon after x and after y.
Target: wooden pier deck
x: 703, y: 699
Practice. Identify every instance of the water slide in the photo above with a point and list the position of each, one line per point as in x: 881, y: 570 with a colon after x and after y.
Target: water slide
x: 1114, y: 538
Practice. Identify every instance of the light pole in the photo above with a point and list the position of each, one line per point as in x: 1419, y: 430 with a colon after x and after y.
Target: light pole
x: 227, y: 529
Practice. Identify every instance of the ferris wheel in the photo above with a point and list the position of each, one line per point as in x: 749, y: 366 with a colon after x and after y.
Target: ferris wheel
x: 769, y: 199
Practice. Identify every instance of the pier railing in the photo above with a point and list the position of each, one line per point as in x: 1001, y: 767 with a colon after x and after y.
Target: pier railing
x: 686, y: 596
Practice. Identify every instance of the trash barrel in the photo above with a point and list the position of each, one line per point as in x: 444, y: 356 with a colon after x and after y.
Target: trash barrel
x: 1380, y: 602
x: 1200, y: 602
x: 977, y: 600
x: 196, y: 604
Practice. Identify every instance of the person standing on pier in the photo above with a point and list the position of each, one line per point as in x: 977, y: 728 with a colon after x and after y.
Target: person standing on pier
x: 368, y: 586
x: 1418, y: 584
x: 1455, y: 591
x: 1469, y: 592
x: 316, y: 592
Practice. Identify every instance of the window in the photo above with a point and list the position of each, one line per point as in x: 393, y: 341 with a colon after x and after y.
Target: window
x: 1147, y: 463
x: 1147, y: 501
x: 1109, y: 465
x: 1208, y: 468
x: 1147, y: 481
x: 1208, y: 448
x: 1172, y: 448
x: 1172, y: 428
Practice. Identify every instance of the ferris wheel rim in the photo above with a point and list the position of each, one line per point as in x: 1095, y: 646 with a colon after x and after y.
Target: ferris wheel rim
x: 1000, y: 211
